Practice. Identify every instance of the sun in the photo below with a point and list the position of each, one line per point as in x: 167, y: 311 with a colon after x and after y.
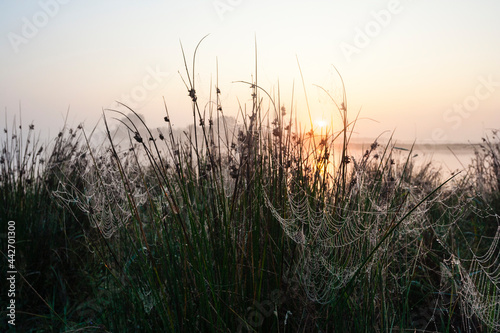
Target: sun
x: 321, y: 123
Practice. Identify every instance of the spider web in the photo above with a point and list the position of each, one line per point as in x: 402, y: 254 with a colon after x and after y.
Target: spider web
x: 334, y: 241
x: 477, y: 282
x: 103, y: 196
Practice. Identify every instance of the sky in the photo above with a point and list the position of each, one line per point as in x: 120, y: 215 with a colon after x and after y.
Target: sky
x: 425, y: 70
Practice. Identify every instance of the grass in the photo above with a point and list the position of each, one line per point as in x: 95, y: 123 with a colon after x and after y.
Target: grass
x: 256, y: 226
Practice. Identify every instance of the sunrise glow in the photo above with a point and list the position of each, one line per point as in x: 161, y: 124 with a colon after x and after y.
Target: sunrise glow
x: 417, y: 79
x: 321, y: 123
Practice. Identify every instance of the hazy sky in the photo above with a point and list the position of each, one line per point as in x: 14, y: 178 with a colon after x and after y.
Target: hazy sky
x: 430, y: 70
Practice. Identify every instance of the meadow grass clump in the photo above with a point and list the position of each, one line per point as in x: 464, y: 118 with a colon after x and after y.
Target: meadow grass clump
x: 251, y: 226
x: 485, y: 173
x: 52, y: 258
x: 260, y: 227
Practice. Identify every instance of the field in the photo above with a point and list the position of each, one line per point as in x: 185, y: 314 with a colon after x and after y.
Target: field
x: 253, y: 225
